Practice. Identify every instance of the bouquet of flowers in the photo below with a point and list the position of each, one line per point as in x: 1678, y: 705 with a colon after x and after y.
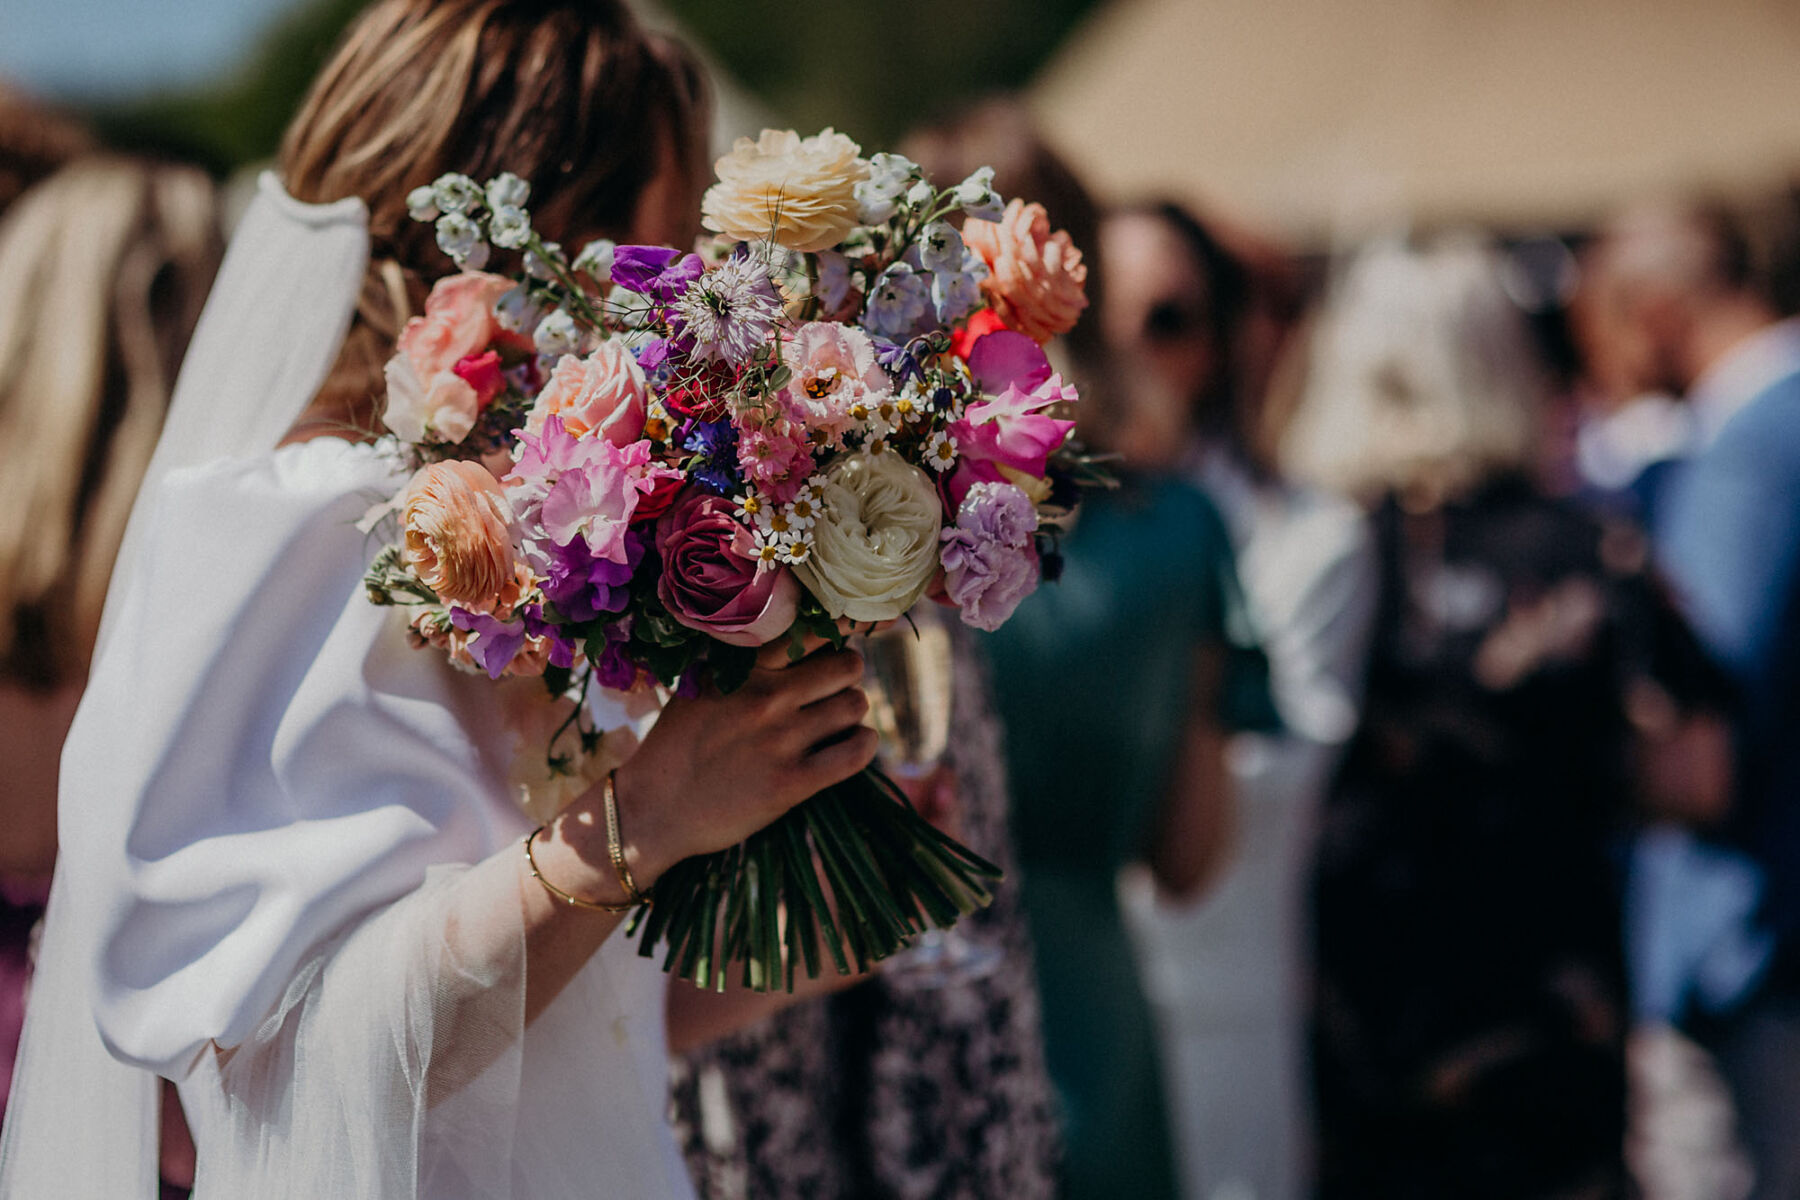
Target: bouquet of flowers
x: 638, y: 465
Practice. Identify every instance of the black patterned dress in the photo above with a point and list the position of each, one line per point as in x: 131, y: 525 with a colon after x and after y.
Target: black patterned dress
x: 890, y: 1090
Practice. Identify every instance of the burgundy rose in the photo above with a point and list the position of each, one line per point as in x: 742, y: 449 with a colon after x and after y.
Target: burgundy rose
x: 712, y: 580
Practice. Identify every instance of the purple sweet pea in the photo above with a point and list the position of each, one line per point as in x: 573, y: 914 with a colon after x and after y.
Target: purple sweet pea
x: 613, y: 667
x: 496, y: 642
x: 583, y: 586
x: 655, y: 271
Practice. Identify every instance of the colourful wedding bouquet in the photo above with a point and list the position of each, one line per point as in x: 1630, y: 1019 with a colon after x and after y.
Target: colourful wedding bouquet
x: 640, y: 465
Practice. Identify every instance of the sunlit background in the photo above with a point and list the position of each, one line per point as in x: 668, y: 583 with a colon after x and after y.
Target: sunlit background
x: 1316, y: 119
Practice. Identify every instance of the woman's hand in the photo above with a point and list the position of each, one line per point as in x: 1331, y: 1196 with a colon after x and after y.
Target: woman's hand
x: 715, y: 769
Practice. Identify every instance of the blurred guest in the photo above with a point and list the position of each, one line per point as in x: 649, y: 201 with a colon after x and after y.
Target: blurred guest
x: 1728, y: 536
x: 103, y: 269
x: 1471, y: 1010
x: 1227, y: 974
x: 909, y: 1085
x: 34, y: 142
x: 1112, y: 689
x: 1630, y: 438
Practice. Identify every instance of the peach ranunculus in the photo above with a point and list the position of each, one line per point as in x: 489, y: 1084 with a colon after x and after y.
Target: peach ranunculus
x: 429, y: 398
x: 798, y: 192
x: 604, y: 393
x: 1036, y: 279
x: 459, y: 542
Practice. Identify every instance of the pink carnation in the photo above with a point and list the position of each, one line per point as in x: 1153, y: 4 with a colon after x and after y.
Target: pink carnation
x: 834, y: 370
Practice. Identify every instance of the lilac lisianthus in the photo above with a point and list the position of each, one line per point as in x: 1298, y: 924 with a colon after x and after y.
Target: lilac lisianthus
x: 655, y: 271
x: 990, y: 561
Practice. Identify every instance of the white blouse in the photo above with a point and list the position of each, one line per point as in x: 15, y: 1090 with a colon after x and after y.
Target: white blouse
x: 283, y: 931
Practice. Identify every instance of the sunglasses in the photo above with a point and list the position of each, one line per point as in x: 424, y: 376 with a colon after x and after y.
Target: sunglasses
x: 1174, y: 320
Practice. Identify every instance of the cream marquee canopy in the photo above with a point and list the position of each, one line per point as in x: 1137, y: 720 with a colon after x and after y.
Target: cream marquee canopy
x: 1324, y: 118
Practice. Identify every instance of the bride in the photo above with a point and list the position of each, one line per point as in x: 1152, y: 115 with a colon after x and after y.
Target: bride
x: 293, y: 874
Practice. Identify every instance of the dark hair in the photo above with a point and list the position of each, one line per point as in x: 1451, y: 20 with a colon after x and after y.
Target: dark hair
x: 1220, y: 411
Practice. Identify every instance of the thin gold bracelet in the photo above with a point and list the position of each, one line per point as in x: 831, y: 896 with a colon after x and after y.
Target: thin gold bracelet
x: 615, y: 842
x: 565, y: 897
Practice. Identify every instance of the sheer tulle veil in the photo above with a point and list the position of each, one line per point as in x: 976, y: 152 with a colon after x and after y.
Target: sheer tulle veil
x: 80, y: 1123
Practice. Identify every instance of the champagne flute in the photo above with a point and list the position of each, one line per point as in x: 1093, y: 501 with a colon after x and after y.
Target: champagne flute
x: 909, y: 674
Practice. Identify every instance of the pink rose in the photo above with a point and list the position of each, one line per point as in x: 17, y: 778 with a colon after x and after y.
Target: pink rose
x: 712, y: 580
x: 430, y: 394
x: 458, y: 322
x: 604, y: 393
x: 1036, y: 279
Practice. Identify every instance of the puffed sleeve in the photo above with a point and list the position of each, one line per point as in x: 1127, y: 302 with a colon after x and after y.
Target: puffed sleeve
x: 293, y: 823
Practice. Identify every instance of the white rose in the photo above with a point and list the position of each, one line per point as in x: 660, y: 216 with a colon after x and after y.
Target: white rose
x: 875, y: 546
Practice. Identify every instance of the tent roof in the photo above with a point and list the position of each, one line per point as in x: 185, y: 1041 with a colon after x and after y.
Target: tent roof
x: 1324, y: 117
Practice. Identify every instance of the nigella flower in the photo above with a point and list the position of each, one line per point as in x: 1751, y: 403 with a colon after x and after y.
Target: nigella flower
x: 730, y: 311
x: 715, y: 442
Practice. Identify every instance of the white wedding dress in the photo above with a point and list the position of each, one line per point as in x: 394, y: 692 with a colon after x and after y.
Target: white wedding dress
x: 269, y: 802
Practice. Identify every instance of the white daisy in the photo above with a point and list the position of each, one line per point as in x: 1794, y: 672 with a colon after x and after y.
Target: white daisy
x: 940, y: 451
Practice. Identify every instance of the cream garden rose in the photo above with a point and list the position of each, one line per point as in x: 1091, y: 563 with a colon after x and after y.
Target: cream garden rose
x: 799, y: 192
x: 875, y: 547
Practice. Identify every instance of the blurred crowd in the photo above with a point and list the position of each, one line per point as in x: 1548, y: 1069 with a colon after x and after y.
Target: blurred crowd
x: 1399, y: 778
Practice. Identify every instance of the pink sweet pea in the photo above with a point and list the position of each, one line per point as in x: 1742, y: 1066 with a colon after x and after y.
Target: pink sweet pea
x: 1003, y: 359
x: 572, y: 487
x: 1011, y: 430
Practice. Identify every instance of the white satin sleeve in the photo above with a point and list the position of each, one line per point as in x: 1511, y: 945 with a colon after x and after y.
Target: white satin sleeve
x: 277, y: 760
x: 286, y: 801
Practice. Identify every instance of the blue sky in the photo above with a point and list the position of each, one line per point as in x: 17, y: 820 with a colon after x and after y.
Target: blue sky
x: 114, y: 48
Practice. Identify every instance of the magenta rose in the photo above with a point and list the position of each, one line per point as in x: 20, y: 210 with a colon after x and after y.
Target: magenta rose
x: 712, y: 580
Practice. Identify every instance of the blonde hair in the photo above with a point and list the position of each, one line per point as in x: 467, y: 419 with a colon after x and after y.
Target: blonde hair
x: 1423, y: 377
x: 104, y: 268
x: 571, y: 95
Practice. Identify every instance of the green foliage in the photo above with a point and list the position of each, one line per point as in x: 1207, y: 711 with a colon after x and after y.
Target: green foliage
x: 872, y: 68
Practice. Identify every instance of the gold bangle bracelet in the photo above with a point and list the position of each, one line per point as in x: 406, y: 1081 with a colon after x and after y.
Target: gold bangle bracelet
x: 615, y: 842
x: 565, y: 897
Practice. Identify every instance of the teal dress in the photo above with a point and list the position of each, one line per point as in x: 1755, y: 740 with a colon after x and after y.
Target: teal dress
x: 1093, y: 677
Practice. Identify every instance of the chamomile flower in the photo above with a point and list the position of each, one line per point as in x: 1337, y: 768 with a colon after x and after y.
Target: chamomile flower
x: 940, y: 451
x: 750, y: 506
x: 773, y: 522
x: 795, y: 552
x: 802, y: 510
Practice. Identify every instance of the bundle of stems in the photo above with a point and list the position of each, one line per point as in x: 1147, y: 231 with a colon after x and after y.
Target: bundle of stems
x: 855, y: 866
